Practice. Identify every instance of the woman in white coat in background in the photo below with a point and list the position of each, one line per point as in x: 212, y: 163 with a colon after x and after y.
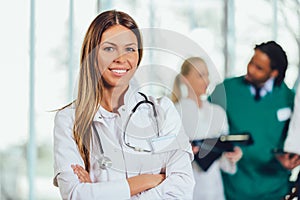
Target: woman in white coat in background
x: 113, y: 142
x: 290, y: 159
x: 292, y: 142
x: 202, y: 119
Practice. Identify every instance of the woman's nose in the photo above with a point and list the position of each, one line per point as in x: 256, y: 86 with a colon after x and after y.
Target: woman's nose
x: 121, y: 57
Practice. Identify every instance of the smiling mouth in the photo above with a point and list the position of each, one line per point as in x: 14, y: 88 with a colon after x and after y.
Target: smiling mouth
x: 119, y: 71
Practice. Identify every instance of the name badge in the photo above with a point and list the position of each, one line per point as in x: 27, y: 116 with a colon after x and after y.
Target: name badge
x: 164, y: 143
x: 284, y: 114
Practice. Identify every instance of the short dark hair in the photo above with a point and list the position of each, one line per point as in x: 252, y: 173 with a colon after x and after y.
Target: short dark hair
x: 277, y: 57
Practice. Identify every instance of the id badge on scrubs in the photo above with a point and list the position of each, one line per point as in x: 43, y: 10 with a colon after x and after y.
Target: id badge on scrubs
x: 164, y: 143
x: 284, y: 114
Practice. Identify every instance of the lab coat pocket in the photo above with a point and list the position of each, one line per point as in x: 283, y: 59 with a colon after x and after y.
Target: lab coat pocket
x: 164, y: 143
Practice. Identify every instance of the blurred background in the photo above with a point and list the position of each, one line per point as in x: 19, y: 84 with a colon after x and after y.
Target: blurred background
x: 40, y: 48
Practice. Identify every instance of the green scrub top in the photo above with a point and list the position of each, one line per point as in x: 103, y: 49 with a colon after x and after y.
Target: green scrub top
x: 259, y: 175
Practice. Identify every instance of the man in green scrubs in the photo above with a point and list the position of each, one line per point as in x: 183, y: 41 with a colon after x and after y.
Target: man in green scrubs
x: 259, y: 103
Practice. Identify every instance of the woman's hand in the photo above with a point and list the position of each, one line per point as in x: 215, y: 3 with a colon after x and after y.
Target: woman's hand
x: 234, y: 156
x: 81, y: 173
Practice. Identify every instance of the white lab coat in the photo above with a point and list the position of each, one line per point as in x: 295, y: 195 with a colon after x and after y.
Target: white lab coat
x: 207, y: 122
x: 292, y: 142
x: 173, y: 156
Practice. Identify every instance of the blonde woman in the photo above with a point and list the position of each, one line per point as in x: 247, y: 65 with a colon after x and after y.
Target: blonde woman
x: 201, y: 120
x: 102, y: 148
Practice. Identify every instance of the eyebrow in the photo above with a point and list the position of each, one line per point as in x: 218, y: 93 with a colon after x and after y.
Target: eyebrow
x: 113, y: 44
x: 110, y: 43
x: 130, y: 44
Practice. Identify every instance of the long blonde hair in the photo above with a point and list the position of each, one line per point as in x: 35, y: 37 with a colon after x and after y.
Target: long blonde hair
x: 185, y: 69
x: 90, y: 86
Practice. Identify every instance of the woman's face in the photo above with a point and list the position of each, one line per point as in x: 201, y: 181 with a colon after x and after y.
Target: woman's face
x: 198, y: 78
x: 118, y: 56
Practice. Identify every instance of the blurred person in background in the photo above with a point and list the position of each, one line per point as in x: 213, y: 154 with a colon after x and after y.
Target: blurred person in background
x: 202, y: 119
x: 260, y: 103
x: 290, y: 158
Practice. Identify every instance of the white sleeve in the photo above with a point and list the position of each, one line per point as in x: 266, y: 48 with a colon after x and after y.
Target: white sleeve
x: 66, y: 154
x: 179, y: 182
x: 293, y: 137
x: 71, y: 188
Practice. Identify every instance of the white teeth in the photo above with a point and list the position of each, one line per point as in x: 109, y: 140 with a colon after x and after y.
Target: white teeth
x: 119, y: 71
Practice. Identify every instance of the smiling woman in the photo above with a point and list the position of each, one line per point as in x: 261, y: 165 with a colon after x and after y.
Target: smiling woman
x: 118, y: 56
x: 93, y: 149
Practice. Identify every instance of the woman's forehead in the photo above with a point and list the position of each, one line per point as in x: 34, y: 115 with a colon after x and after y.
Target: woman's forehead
x: 200, y: 66
x: 120, y: 35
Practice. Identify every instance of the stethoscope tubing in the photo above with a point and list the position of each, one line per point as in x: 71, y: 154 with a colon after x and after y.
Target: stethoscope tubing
x: 104, y: 161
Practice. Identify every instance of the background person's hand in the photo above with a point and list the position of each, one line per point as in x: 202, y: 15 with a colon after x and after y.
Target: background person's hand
x: 288, y: 160
x: 195, y: 149
x: 234, y: 156
x: 81, y: 173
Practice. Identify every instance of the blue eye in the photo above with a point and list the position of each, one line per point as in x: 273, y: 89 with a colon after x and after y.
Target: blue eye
x: 130, y: 49
x: 108, y: 49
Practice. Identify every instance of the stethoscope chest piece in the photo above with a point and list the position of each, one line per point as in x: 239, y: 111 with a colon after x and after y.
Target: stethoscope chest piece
x: 105, y: 162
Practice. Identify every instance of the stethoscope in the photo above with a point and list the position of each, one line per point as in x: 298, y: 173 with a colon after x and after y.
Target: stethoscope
x: 105, y: 162
x: 146, y: 101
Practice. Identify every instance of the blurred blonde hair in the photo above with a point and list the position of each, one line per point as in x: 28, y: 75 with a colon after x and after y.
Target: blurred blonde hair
x: 185, y: 69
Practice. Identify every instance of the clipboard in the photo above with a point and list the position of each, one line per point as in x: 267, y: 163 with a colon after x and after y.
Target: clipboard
x: 212, y: 148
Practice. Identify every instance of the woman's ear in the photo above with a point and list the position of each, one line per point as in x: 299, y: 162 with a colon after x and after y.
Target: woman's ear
x: 274, y: 73
x: 183, y: 80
